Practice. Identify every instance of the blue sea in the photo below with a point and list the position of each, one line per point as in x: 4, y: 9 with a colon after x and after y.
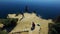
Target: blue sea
x: 46, y: 9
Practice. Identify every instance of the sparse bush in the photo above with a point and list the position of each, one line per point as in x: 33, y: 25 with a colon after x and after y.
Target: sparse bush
x: 7, y: 22
x: 3, y: 32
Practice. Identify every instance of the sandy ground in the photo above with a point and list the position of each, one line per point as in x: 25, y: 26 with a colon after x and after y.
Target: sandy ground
x: 25, y: 24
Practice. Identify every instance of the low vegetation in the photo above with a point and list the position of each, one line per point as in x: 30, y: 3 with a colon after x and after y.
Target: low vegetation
x: 7, y: 23
x: 55, y: 27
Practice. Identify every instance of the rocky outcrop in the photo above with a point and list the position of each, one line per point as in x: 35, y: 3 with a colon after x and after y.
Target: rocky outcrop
x: 26, y: 23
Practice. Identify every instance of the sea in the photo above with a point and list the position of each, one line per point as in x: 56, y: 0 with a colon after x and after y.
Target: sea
x: 45, y: 9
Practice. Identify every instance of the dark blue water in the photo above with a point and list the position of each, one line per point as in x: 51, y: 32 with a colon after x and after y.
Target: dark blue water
x: 44, y: 9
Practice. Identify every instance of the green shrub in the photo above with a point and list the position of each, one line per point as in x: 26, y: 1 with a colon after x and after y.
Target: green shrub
x: 3, y: 32
x: 8, y: 21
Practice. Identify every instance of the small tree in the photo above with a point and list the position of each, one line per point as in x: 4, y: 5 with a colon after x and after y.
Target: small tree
x: 34, y: 11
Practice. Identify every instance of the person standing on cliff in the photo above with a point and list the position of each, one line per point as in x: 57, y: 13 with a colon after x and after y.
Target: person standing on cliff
x: 33, y: 26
